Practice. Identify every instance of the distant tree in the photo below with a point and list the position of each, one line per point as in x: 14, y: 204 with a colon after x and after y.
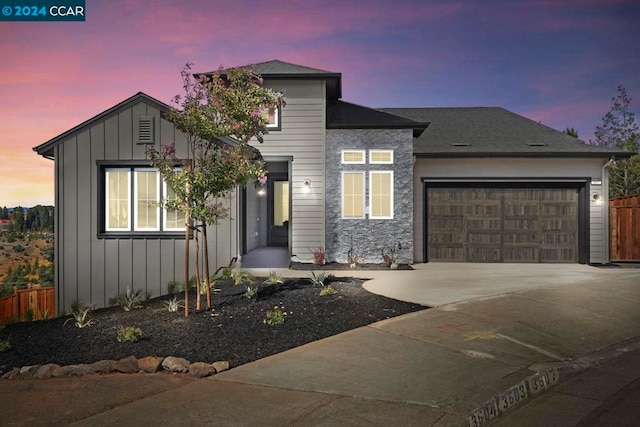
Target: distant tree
x: 18, y: 219
x: 4, y: 213
x: 619, y: 130
x: 571, y: 132
x: 39, y: 218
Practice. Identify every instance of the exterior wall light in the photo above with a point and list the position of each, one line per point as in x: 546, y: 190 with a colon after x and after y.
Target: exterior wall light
x: 307, y: 186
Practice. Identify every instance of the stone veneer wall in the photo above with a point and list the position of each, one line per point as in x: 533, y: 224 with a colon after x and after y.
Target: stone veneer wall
x: 369, y: 236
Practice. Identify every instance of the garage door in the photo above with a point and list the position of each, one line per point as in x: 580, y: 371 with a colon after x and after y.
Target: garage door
x: 502, y: 224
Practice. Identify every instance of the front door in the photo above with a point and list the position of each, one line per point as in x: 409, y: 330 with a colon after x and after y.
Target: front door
x: 278, y: 210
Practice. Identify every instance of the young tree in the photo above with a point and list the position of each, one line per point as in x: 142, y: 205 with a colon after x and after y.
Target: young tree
x: 619, y: 130
x: 229, y: 104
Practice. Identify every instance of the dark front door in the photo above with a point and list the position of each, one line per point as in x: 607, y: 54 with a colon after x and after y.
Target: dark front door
x: 278, y: 210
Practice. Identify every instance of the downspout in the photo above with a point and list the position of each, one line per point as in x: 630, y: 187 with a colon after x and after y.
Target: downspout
x: 606, y: 255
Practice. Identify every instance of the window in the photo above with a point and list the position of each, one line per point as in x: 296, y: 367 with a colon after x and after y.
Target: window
x: 381, y: 194
x: 272, y: 116
x: 353, y: 194
x: 353, y: 157
x: 381, y: 157
x: 135, y: 193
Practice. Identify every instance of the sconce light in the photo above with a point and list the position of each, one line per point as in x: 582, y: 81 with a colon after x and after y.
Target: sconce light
x: 261, y: 190
x: 596, y: 198
x: 307, y: 186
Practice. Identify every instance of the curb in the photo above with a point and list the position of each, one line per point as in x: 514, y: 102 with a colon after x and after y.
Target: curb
x: 546, y: 376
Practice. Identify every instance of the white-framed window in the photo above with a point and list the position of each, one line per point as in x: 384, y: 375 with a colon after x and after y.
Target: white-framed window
x: 146, y: 194
x: 352, y: 194
x: 131, y: 197
x: 117, y: 200
x: 272, y: 116
x: 381, y: 194
x: 353, y: 157
x: 172, y: 220
x: 381, y: 157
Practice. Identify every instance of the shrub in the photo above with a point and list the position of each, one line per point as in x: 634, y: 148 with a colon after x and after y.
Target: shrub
x: 273, y: 279
x: 275, y: 317
x: 172, y: 304
x: 130, y: 300
x: 242, y: 278
x: 319, y: 255
x: 29, y: 315
x: 320, y: 278
x: 173, y: 286
x: 5, y: 345
x: 79, y: 314
x: 327, y: 290
x: 129, y: 334
x: 251, y: 292
x: 18, y: 248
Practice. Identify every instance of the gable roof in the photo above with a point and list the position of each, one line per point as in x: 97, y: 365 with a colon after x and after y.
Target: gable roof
x: 493, y: 132
x: 280, y: 70
x: 345, y: 115
x: 46, y: 149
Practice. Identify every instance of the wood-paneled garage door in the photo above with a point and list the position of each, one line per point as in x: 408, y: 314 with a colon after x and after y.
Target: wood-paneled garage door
x: 502, y: 224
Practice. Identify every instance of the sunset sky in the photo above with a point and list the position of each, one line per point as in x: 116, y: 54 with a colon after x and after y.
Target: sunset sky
x: 554, y: 61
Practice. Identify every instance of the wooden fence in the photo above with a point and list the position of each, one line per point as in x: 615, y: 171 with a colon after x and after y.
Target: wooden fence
x: 624, y: 228
x: 34, y: 303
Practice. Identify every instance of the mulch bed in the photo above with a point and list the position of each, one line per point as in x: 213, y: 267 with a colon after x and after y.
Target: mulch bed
x: 306, y: 266
x: 233, y: 330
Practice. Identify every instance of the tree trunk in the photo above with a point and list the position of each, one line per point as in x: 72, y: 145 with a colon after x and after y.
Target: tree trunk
x: 206, y: 264
x: 196, y: 232
x: 186, y: 267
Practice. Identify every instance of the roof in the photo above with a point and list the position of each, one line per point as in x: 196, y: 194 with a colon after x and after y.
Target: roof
x: 493, y: 132
x: 277, y: 69
x: 345, y: 115
x: 46, y: 149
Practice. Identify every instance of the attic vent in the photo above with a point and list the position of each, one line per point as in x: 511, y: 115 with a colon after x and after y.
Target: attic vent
x: 460, y: 144
x: 146, y: 130
x: 536, y: 144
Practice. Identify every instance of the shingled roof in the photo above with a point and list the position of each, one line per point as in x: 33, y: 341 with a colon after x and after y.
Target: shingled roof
x: 277, y: 69
x: 345, y: 115
x: 493, y: 132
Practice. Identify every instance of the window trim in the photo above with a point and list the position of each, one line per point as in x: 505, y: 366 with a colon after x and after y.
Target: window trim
x: 277, y: 125
x: 364, y: 194
x: 134, y: 201
x: 391, y: 201
x: 380, y: 162
x: 165, y: 212
x: 105, y: 196
x: 102, y: 204
x: 350, y: 162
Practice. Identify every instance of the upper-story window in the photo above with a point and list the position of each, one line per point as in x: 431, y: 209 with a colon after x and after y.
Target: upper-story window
x: 272, y: 115
x: 381, y: 157
x: 353, y: 157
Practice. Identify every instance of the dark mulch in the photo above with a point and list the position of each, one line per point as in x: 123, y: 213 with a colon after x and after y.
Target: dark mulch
x: 306, y: 266
x: 234, y: 330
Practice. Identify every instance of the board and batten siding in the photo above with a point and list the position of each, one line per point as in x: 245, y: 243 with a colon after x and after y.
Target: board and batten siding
x: 92, y: 269
x: 514, y: 168
x: 302, y: 138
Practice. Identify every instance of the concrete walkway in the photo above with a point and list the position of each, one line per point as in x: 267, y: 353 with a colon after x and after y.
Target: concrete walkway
x: 499, y: 338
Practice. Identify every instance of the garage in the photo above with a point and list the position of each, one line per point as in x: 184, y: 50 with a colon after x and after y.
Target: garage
x: 503, y: 223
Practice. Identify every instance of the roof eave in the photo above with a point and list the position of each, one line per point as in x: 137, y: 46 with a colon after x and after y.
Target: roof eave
x: 564, y: 154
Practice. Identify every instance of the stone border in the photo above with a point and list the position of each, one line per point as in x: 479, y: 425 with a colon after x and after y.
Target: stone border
x: 129, y: 365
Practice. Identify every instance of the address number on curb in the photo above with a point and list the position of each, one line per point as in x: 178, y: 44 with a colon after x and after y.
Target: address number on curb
x: 483, y: 414
x: 543, y: 381
x: 512, y: 396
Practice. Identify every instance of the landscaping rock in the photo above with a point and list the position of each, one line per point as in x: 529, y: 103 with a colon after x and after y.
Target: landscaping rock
x: 46, y: 371
x: 128, y: 365
x: 221, y: 366
x: 149, y: 364
x: 103, y: 367
x: 175, y: 364
x: 201, y: 369
x: 12, y: 374
x: 28, y: 371
x: 73, y: 371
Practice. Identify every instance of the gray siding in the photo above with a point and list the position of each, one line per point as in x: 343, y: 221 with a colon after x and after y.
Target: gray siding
x: 510, y: 168
x: 303, y: 138
x: 370, y: 236
x: 92, y: 269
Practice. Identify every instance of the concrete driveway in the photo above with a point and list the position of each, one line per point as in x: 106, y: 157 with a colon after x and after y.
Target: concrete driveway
x: 435, y: 284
